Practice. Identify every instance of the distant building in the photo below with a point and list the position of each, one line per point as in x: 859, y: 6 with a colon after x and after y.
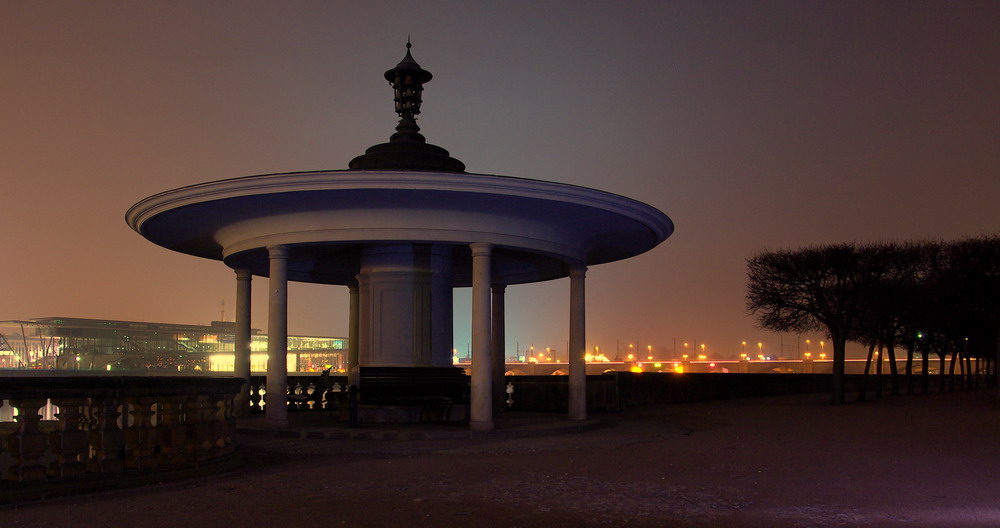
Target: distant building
x: 97, y: 344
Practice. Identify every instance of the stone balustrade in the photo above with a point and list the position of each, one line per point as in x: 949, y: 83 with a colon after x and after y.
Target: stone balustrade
x: 110, y: 424
x: 305, y: 393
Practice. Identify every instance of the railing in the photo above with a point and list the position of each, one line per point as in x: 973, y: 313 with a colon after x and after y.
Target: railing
x: 112, y: 424
x: 305, y: 393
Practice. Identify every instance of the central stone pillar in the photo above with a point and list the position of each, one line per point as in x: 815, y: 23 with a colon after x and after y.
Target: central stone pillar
x: 241, y: 349
x: 352, y: 336
x: 481, y: 405
x: 276, y: 408
x: 405, y: 306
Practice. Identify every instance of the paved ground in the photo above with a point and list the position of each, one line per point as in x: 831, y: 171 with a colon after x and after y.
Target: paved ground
x: 919, y: 461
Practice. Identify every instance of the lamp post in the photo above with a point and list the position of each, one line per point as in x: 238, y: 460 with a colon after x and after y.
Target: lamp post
x: 649, y: 350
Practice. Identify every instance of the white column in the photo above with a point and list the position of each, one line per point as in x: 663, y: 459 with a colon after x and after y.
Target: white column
x: 276, y: 409
x: 241, y: 350
x: 481, y: 407
x: 499, y: 348
x: 577, y: 345
x: 352, y: 337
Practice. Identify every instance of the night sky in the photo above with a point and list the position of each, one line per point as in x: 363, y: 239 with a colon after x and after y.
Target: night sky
x: 753, y: 125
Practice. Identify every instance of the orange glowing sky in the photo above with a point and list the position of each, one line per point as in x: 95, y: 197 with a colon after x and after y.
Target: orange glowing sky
x: 753, y: 125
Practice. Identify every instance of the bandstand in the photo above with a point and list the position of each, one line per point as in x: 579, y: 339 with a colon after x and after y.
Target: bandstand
x: 400, y: 228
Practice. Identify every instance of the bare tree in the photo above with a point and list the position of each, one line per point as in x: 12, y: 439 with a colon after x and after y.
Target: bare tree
x: 816, y: 288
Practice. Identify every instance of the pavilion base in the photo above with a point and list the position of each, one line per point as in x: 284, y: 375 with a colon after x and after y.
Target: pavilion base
x: 430, y: 412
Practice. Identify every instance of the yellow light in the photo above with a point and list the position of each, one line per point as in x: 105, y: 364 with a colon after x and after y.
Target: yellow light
x: 679, y: 369
x: 636, y: 368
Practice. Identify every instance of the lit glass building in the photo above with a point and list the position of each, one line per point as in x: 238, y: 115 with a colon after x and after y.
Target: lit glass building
x: 96, y: 344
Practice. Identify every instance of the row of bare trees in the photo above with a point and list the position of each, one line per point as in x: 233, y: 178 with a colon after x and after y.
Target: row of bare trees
x: 927, y: 298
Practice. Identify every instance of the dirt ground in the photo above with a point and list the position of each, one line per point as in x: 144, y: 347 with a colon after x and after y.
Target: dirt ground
x: 914, y: 461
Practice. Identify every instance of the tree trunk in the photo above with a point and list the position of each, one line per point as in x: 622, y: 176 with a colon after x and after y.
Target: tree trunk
x: 890, y: 349
x: 942, y: 381
x: 925, y: 376
x: 995, y: 379
x: 878, y: 373
x: 909, y: 367
x: 837, y: 376
x: 967, y: 374
x: 863, y: 394
x: 951, y: 370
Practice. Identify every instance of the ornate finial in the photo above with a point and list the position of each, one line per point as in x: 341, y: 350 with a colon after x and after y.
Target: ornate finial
x: 407, y: 149
x: 407, y: 80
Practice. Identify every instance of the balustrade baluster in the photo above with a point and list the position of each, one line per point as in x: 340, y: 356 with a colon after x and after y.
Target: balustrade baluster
x: 28, y: 444
x: 198, y: 434
x: 106, y: 439
x: 70, y: 441
x: 257, y: 397
x: 171, y: 433
x: 140, y: 437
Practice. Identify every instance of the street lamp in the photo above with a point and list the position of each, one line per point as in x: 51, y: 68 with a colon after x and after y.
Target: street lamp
x: 744, y: 344
x: 649, y: 350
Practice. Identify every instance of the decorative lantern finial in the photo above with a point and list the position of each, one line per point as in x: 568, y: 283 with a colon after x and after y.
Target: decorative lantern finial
x: 407, y: 149
x: 407, y: 80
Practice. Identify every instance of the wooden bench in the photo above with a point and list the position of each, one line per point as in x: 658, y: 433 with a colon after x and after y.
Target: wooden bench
x: 412, y: 385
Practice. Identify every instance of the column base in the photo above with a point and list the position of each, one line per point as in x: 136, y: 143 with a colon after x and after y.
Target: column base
x: 276, y: 422
x: 481, y: 426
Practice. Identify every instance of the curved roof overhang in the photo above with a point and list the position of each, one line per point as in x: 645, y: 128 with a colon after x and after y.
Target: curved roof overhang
x: 537, y: 228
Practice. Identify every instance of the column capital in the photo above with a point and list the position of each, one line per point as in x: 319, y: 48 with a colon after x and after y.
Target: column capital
x: 499, y: 288
x: 243, y: 274
x: 278, y: 251
x: 481, y: 249
x: 577, y: 271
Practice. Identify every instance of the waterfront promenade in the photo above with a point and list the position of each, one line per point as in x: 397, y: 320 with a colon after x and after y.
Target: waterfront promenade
x: 915, y: 461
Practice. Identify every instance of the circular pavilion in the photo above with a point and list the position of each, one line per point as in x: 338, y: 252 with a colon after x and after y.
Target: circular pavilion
x: 402, y: 227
